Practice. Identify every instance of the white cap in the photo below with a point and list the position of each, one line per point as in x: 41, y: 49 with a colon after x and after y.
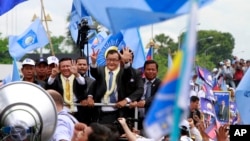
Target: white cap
x: 28, y: 61
x: 214, y: 70
x: 52, y: 59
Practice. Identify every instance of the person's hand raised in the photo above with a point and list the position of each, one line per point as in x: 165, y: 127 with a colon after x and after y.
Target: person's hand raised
x: 73, y: 68
x: 126, y: 55
x: 54, y: 71
x: 94, y: 56
x: 222, y: 133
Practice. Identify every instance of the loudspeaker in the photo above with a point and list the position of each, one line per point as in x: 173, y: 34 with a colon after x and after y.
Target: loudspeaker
x: 27, y: 112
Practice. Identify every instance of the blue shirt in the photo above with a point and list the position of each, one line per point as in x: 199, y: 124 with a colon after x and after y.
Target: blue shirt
x: 65, y: 127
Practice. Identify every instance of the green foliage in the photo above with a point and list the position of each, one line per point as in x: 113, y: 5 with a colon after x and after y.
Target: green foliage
x: 4, y: 53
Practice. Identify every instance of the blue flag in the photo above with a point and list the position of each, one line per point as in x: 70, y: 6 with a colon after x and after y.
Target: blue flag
x: 15, y: 72
x: 189, y: 51
x: 125, y: 38
x: 159, y: 119
x: 78, y: 13
x: 123, y: 14
x: 33, y: 38
x: 6, y: 5
x: 242, y: 95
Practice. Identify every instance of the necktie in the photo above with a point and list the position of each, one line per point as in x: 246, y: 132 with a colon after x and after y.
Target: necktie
x: 67, y: 90
x: 112, y: 96
x: 148, y: 89
x: 110, y: 79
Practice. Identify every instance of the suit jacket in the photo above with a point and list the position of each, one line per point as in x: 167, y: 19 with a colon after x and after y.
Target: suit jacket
x: 78, y: 89
x: 154, y: 88
x: 223, y: 115
x: 126, y: 84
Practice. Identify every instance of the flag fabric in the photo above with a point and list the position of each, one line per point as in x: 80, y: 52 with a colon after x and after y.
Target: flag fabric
x: 6, y: 5
x: 242, y: 95
x: 33, y: 38
x: 209, y: 94
x: 159, y: 120
x: 169, y: 60
x: 189, y: 51
x: 125, y: 38
x: 205, y: 75
x: 123, y: 14
x: 150, y: 53
x: 78, y: 13
x: 15, y: 72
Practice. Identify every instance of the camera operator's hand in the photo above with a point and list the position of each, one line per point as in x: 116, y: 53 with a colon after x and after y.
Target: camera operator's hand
x: 94, y: 56
x: 122, y: 121
x: 141, y: 104
x: 121, y: 104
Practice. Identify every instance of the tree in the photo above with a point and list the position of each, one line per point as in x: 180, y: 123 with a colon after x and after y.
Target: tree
x: 4, y: 53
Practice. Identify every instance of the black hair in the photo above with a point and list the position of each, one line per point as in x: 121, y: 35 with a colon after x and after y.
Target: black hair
x: 150, y: 62
x: 113, y: 51
x: 100, y: 132
x: 194, y: 98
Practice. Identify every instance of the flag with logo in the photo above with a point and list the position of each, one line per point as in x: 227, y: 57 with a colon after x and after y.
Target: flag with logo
x: 6, y: 5
x: 125, y: 38
x: 159, y: 119
x: 123, y: 14
x: 33, y: 38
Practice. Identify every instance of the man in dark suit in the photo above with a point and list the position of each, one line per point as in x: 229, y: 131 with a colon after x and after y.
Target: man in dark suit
x: 109, y: 86
x: 88, y: 112
x: 151, y: 85
x: 69, y: 83
x: 223, y: 114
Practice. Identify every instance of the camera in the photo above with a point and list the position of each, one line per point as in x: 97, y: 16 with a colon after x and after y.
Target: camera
x: 130, y: 122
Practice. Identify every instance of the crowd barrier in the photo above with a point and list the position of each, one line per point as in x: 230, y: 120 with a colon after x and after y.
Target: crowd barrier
x: 113, y: 105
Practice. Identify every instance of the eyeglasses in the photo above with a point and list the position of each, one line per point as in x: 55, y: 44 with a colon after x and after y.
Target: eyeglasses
x: 112, y: 60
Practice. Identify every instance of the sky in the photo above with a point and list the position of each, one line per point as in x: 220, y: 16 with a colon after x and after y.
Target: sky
x: 222, y: 15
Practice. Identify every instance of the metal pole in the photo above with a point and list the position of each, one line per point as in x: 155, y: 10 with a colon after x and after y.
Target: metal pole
x: 112, y: 105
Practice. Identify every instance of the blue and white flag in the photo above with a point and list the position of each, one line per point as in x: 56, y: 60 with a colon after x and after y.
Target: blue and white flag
x: 78, y: 13
x: 33, y: 38
x: 123, y: 14
x: 15, y: 72
x: 242, y: 95
x: 6, y: 5
x: 169, y: 59
x: 126, y: 38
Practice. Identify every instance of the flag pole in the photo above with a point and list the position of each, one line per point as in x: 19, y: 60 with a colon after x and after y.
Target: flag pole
x: 47, y: 28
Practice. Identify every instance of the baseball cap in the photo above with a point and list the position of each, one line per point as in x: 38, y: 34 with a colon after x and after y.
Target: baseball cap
x: 28, y: 61
x: 52, y: 59
x: 214, y: 70
x: 41, y: 60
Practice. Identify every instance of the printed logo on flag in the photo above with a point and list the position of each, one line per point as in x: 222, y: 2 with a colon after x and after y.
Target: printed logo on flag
x: 27, y: 40
x: 239, y: 132
x: 114, y: 42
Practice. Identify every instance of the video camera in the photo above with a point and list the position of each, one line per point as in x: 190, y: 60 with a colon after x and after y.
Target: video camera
x: 130, y: 122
